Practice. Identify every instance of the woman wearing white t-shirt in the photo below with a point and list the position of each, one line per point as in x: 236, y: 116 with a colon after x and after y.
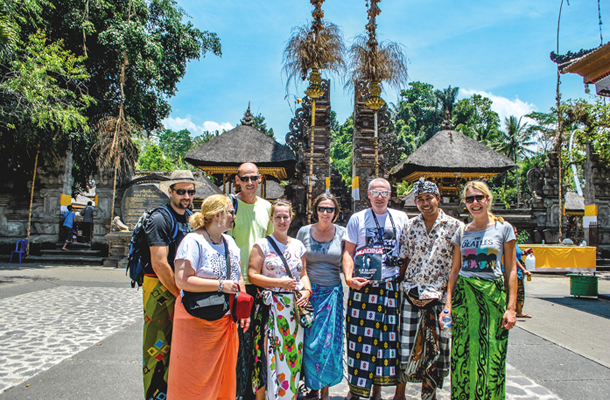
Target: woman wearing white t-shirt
x: 204, y: 353
x: 278, y: 341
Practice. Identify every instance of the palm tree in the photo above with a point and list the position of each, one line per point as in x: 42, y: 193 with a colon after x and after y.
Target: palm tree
x: 309, y: 50
x: 375, y: 63
x: 115, y: 147
x: 447, y: 98
x: 517, y: 138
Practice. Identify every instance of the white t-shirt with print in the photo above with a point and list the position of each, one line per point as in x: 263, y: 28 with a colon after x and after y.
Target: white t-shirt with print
x: 208, y: 260
x: 362, y: 231
x: 273, y: 266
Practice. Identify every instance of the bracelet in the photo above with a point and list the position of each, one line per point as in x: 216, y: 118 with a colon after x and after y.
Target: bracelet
x: 310, y: 291
x: 221, y: 284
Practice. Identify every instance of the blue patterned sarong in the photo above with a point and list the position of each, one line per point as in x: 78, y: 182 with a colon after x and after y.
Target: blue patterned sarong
x: 323, y: 355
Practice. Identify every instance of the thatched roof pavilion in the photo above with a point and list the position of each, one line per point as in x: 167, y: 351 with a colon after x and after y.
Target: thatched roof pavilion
x: 221, y: 156
x: 450, y: 159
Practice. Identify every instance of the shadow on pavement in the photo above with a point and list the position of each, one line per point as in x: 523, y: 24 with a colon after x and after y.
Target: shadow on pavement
x: 591, y: 305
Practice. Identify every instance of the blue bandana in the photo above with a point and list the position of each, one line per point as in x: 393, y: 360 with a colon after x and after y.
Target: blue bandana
x: 424, y: 186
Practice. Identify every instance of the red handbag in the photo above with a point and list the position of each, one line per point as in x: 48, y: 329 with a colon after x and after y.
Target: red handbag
x: 241, y: 305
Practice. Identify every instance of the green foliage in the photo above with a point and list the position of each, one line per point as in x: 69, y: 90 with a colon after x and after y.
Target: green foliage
x: 152, y: 159
x: 175, y: 145
x: 341, y: 149
x: 522, y: 237
x: 403, y: 187
x: 204, y: 137
x: 47, y: 92
x: 42, y: 103
x: 260, y: 124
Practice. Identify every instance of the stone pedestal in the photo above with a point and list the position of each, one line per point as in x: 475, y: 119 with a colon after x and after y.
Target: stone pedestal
x: 118, y: 249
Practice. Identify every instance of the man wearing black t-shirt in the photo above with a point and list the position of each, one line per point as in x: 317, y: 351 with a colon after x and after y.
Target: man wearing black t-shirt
x: 165, y: 229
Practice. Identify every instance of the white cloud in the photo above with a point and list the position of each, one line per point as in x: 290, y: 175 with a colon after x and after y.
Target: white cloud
x: 503, y: 106
x: 177, y: 124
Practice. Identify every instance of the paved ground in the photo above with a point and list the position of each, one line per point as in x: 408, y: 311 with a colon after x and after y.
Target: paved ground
x: 74, y: 333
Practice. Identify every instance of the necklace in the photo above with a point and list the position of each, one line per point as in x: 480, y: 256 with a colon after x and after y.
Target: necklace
x: 210, y: 237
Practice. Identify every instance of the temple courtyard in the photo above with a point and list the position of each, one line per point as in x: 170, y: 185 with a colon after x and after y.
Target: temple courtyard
x: 74, y: 332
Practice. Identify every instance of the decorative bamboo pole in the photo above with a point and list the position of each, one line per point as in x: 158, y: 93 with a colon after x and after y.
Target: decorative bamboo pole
x: 375, y: 102
x: 314, y: 91
x: 27, y: 251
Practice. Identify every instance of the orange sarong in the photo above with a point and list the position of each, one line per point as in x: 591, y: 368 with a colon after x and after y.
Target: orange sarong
x: 203, y: 357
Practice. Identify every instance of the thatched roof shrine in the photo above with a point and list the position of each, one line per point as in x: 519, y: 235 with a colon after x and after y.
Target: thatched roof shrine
x: 451, y: 158
x: 223, y: 154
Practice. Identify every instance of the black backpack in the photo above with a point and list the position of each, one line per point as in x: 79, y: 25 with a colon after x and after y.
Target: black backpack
x: 138, y: 245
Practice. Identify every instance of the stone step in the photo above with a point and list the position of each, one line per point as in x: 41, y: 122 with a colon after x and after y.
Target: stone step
x: 73, y: 252
x: 66, y: 259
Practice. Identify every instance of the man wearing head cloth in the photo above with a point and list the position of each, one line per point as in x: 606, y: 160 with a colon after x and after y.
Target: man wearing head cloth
x: 427, y: 251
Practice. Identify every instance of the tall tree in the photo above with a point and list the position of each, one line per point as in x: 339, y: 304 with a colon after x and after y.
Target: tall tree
x: 447, y: 98
x: 517, y: 143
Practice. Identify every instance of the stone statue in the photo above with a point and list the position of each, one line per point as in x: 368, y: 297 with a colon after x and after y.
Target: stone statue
x: 117, y: 225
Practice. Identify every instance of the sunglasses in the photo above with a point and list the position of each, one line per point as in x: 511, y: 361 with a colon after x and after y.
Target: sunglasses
x: 383, y: 193
x: 182, y: 192
x: 329, y: 210
x: 471, y: 199
x: 232, y: 212
x: 252, y: 178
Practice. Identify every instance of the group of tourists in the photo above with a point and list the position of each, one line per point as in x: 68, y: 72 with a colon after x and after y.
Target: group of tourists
x: 407, y: 278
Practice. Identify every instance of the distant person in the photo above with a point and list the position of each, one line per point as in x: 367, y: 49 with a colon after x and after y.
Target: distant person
x: 279, y: 341
x: 323, y: 341
x: 159, y: 286
x: 427, y: 253
x: 372, y: 317
x: 477, y: 299
x: 87, y: 215
x: 521, y: 273
x: 67, y: 226
x: 204, y: 353
x: 251, y: 223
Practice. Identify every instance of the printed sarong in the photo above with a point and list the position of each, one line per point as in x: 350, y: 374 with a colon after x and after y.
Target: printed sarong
x: 158, y: 317
x: 372, y: 337
x: 203, y: 358
x: 284, y: 348
x: 479, y: 343
x: 520, y: 291
x: 245, y: 357
x: 323, y: 354
x: 424, y: 353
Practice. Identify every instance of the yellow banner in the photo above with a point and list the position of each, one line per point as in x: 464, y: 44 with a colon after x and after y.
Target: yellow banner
x: 95, y: 200
x: 591, y: 211
x: 65, y: 200
x: 327, y: 182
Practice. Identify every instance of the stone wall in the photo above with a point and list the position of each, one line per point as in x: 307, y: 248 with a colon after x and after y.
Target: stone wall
x: 51, y: 181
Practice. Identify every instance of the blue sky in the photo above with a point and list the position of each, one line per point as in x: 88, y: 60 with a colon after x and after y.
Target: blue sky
x: 497, y: 48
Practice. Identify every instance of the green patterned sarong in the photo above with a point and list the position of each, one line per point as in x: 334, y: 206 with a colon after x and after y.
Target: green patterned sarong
x: 479, y: 343
x: 158, y: 318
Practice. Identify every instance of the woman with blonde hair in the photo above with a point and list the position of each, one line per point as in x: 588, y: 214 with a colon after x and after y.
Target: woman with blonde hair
x: 481, y: 312
x: 278, y: 341
x: 204, y: 353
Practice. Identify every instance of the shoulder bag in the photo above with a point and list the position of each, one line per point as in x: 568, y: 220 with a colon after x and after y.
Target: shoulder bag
x: 305, y: 314
x: 212, y: 306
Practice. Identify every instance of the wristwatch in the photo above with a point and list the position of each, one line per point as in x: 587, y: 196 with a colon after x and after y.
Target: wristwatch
x: 221, y: 285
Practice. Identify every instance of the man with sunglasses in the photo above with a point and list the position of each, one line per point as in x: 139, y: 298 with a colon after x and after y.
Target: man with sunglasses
x: 251, y: 223
x: 165, y: 229
x: 427, y: 251
x: 372, y: 310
